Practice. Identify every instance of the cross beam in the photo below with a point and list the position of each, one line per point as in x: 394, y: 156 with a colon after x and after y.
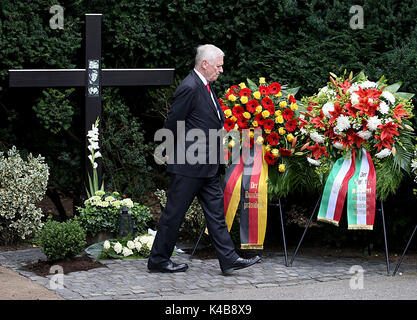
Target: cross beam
x: 92, y: 78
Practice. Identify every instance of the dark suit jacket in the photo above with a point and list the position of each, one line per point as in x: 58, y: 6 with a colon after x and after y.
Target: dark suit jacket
x: 193, y: 105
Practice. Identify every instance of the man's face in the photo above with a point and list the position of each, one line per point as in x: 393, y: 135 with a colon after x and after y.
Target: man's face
x: 213, y: 68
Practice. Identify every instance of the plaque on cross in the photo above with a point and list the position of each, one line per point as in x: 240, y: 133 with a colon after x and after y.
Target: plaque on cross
x: 92, y: 78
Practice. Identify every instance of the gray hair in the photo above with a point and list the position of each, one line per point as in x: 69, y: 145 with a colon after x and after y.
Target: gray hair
x: 207, y: 52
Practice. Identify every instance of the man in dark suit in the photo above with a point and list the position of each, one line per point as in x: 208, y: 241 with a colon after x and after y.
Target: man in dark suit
x: 196, y: 112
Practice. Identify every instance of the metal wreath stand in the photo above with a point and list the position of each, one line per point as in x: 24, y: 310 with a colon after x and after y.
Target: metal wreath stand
x: 274, y: 204
x: 383, y: 224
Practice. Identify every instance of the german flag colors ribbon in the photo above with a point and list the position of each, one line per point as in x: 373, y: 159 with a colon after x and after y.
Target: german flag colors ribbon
x: 246, y: 184
x: 355, y: 177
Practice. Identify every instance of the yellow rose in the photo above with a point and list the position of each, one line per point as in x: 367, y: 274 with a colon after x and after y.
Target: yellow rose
x: 267, y: 131
x: 294, y: 106
x: 246, y: 115
x: 283, y: 104
x: 232, y: 97
x: 259, y: 140
x: 242, y: 85
x: 255, y: 123
x: 257, y: 95
x: 232, y: 143
x: 251, y: 134
x: 268, y: 148
x: 281, y: 167
x: 265, y: 114
x: 258, y: 109
x: 275, y: 153
x: 227, y: 113
x: 233, y: 118
x: 279, y: 94
x: 261, y: 80
x: 244, y: 99
x: 282, y: 131
x: 279, y: 119
x: 290, y: 137
x: 278, y: 113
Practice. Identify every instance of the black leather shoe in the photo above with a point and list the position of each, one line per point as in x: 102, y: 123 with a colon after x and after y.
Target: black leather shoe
x: 168, y: 267
x: 240, y: 263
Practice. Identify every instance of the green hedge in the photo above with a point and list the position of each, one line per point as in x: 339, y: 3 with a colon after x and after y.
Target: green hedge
x: 293, y: 42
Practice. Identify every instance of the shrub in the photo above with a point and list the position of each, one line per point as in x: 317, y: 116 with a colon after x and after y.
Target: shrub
x: 101, y: 212
x: 22, y: 184
x: 60, y: 240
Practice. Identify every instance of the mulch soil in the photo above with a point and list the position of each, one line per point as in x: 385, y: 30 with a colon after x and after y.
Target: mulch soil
x: 80, y: 263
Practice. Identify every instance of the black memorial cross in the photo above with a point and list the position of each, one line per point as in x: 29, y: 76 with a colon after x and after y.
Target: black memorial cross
x: 93, y: 78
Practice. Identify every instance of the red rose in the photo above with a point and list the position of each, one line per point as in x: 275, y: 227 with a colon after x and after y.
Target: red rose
x: 291, y: 125
x: 292, y: 99
x: 274, y: 88
x: 273, y: 138
x: 287, y: 114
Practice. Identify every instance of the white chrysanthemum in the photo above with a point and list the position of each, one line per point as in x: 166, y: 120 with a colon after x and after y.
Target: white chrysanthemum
x: 117, y: 247
x: 106, y: 244
x: 353, y: 88
x: 373, y: 123
x: 338, y: 145
x: 389, y: 96
x: 316, y: 137
x: 383, y: 107
x: 368, y: 84
x: 327, y: 107
x: 313, y: 161
x: 383, y: 153
x: 127, y: 252
x: 342, y: 123
x: 354, y: 99
x: 328, y: 92
x: 365, y: 135
x: 303, y: 131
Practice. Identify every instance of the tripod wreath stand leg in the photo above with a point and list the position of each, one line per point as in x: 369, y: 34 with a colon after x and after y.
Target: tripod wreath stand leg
x: 282, y: 230
x: 304, y: 233
x: 198, y: 241
x: 405, y: 251
x: 383, y: 224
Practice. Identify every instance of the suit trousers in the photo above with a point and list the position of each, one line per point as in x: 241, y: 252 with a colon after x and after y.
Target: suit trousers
x: 181, y: 193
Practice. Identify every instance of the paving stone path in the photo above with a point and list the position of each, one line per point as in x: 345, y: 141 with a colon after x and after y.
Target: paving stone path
x: 130, y: 279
